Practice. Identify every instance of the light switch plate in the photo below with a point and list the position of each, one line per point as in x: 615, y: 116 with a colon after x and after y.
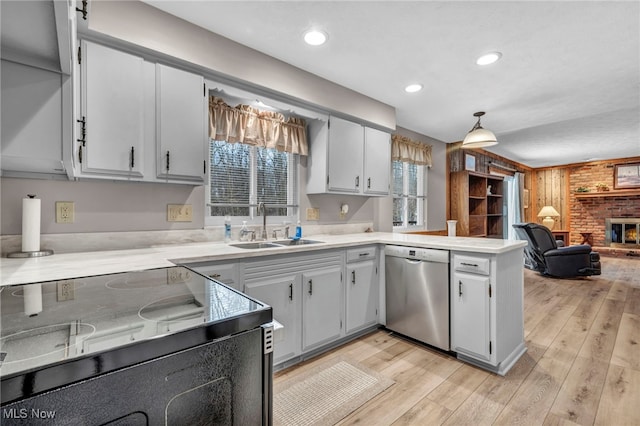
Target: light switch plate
x: 65, y: 211
x: 313, y: 214
x: 179, y: 213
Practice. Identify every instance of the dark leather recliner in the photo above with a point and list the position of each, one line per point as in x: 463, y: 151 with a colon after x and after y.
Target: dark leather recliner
x: 543, y: 254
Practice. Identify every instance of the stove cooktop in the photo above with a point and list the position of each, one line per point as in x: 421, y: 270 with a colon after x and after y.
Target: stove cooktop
x: 59, y: 322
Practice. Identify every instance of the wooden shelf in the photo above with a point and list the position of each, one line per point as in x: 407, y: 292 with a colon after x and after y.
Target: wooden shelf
x: 478, y: 214
x: 603, y: 194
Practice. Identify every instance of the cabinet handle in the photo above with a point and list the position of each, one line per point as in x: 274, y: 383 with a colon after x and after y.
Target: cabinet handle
x: 353, y: 277
x: 168, y: 156
x: 291, y: 291
x: 368, y: 183
x: 133, y: 157
x: 214, y: 276
x: 80, y: 154
x: 459, y: 288
x: 475, y: 265
x: 363, y: 254
x: 310, y: 287
x: 357, y: 181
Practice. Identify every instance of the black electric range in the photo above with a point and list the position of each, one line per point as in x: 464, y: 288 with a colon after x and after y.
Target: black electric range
x: 102, y: 331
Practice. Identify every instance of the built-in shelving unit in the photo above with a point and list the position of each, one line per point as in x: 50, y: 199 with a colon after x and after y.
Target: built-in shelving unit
x: 476, y: 203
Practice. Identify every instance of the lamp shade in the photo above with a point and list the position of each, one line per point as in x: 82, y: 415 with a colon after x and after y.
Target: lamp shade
x: 548, y: 211
x: 478, y: 138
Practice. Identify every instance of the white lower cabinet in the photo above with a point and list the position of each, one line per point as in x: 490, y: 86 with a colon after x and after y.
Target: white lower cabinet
x: 361, y: 289
x: 470, y: 302
x: 306, y: 294
x: 487, y: 323
x: 321, y: 306
x: 282, y: 293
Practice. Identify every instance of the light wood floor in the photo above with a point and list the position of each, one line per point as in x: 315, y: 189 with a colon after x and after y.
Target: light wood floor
x: 582, y: 365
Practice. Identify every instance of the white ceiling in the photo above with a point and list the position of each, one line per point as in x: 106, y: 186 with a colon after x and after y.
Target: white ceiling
x: 566, y: 90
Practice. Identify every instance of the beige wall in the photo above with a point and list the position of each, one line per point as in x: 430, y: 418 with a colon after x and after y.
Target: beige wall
x: 100, y: 206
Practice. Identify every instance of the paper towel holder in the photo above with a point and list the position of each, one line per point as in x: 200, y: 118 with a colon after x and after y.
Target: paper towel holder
x: 27, y: 254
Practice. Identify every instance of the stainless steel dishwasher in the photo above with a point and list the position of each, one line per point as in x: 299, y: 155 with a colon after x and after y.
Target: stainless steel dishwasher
x: 417, y: 293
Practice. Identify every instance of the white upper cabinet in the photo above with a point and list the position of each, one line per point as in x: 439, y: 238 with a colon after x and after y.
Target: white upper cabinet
x: 348, y: 158
x: 136, y: 116
x: 110, y: 140
x: 377, y: 162
x: 31, y: 120
x: 180, y: 124
x: 345, y: 152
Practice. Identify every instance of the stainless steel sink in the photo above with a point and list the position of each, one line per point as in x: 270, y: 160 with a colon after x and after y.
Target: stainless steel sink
x: 255, y: 245
x: 296, y: 242
x: 271, y: 244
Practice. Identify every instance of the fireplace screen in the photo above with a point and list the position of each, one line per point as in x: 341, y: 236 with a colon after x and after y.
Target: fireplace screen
x: 622, y: 232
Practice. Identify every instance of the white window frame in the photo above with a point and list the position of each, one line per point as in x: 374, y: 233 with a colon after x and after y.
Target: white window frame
x: 421, y: 196
x: 254, y: 219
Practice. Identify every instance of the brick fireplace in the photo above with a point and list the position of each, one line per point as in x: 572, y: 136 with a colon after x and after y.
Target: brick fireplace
x: 589, y: 212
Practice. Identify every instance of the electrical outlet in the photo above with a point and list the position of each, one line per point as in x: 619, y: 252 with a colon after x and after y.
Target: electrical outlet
x: 66, y: 290
x: 65, y: 211
x: 179, y: 213
x: 313, y: 214
x: 178, y: 276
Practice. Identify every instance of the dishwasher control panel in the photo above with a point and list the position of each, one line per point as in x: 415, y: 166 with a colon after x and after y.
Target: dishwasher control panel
x: 429, y: 255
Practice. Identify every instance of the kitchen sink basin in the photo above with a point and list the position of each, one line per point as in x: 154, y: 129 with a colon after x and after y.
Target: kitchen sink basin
x: 271, y: 244
x: 255, y: 245
x: 296, y: 242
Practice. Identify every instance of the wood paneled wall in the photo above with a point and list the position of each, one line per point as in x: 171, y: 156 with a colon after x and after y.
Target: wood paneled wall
x: 551, y: 188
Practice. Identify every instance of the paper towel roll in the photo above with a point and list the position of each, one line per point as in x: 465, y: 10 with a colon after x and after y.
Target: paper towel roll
x: 32, y: 299
x: 30, y: 224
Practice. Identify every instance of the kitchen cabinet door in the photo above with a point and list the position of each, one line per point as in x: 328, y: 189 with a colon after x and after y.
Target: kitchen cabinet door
x: 470, y: 316
x: 112, y: 104
x: 321, y: 306
x: 180, y: 124
x: 377, y: 161
x: 283, y: 295
x: 362, y: 295
x: 345, y: 156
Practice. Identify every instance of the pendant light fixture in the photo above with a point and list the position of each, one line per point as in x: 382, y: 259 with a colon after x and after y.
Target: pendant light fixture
x: 479, y: 137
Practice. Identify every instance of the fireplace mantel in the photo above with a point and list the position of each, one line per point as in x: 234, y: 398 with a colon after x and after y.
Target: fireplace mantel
x: 614, y: 193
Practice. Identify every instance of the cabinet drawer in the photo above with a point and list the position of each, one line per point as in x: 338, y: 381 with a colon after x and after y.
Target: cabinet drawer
x: 360, y: 254
x: 472, y: 264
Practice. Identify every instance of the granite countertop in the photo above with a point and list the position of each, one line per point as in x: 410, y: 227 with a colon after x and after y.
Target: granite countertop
x: 75, y: 265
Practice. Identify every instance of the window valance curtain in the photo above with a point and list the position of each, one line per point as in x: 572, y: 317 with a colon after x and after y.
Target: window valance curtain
x: 410, y: 151
x: 251, y: 126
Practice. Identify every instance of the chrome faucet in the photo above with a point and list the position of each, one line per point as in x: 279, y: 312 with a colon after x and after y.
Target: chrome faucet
x: 263, y: 234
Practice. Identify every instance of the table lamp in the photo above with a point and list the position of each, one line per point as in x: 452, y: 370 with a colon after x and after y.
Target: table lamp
x: 548, y: 212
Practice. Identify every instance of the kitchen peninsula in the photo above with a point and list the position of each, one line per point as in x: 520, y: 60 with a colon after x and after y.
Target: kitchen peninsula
x: 501, y: 322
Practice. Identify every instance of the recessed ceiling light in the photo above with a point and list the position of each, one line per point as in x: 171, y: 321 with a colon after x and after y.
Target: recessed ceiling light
x: 489, y: 58
x: 412, y: 88
x: 315, y: 37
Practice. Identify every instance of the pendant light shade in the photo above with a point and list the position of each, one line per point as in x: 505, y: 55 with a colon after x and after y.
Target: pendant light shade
x: 479, y: 137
